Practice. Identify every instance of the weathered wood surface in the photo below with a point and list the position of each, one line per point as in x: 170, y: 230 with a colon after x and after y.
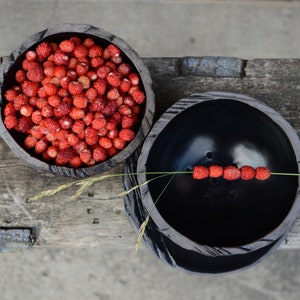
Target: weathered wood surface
x: 97, y: 218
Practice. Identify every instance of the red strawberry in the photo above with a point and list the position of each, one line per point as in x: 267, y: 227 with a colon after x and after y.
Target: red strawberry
x: 11, y: 121
x: 110, y: 108
x: 85, y: 82
x: 62, y: 109
x: 40, y: 146
x: 113, y: 94
x: 30, y: 142
x: 119, y: 143
x: 49, y: 71
x: 80, y: 101
x: 64, y: 156
x: 80, y: 146
x: 88, y: 43
x: 112, y: 151
x: 80, y: 51
x: 77, y: 113
x: 103, y: 71
x: 26, y: 110
x: 35, y: 75
x: 75, y: 88
x: 200, y: 172
x: 20, y: 76
x: 99, y: 123
x: 262, y: 173
x: 52, y: 151
x: 105, y: 142
x: 10, y: 94
x: 54, y: 100
x: 31, y: 55
x: 215, y: 171
x: 30, y: 88
x: 73, y: 139
x: 231, y: 173
x: 9, y: 109
x: 29, y: 65
x: 91, y: 136
x: 86, y: 155
x: 59, y: 72
x: 88, y: 118
x: 124, y: 69
x: 47, y: 111
x: 247, y: 173
x: 60, y: 58
x: 138, y: 96
x: 36, y: 117
x: 125, y: 85
x: 67, y: 46
x: 78, y: 126
x: 113, y: 50
x: 75, y: 162
x: 91, y: 94
x: 126, y: 134
x: 52, y: 125
x: 20, y: 101
x: 81, y: 69
x: 50, y: 89
x: 43, y: 50
x: 114, y: 78
x: 95, y: 51
x: 65, y: 122
x: 99, y: 154
x: 100, y: 86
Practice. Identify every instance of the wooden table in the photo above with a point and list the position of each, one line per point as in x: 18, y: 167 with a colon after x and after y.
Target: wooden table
x: 97, y: 217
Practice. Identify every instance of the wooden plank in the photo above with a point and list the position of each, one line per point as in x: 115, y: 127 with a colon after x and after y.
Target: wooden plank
x: 97, y: 218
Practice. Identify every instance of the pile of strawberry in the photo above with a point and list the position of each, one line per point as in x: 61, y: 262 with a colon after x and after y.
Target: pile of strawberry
x: 231, y: 172
x: 76, y: 103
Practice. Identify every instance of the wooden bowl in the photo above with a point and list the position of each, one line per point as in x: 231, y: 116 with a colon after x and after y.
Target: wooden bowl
x: 103, y: 38
x: 217, y: 217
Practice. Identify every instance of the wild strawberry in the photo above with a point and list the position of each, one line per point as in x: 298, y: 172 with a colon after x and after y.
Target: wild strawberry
x: 91, y: 94
x: 127, y: 121
x: 24, y: 124
x: 200, y: 172
x: 138, y: 96
x: 64, y: 82
x: 95, y: 51
x: 81, y: 69
x: 103, y: 71
x: 96, y: 62
x: 30, y: 142
x: 262, y: 173
x: 10, y: 121
x: 126, y: 135
x: 134, y: 78
x: 110, y: 108
x: 124, y: 69
x: 35, y: 75
x: 67, y: 46
x: 54, y: 100
x: 35, y: 131
x: 119, y: 143
x: 92, y: 75
x: 62, y: 93
x: 99, y: 123
x: 76, y: 40
x: 60, y: 58
x: 73, y: 61
x: 20, y: 101
x: 62, y: 109
x: 9, y: 109
x: 111, y: 124
x: 49, y: 71
x: 97, y: 104
x: 43, y: 50
x: 47, y: 111
x: 113, y: 94
x: 20, y: 76
x: 113, y: 133
x: 215, y: 171
x: 60, y: 72
x: 64, y: 156
x: 80, y: 51
x: 112, y: 151
x: 61, y: 135
x: 100, y: 86
x: 124, y: 110
x: 41, y: 102
x: 84, y: 81
x: 125, y: 85
x: 52, y: 151
x: 50, y: 89
x: 113, y: 50
x: 36, y: 117
x: 78, y: 126
x: 64, y: 145
x: 247, y: 173
x: 91, y: 136
x: 31, y: 55
x: 117, y: 116
x: 117, y: 60
x: 30, y: 88
x: 29, y: 65
x: 99, y: 154
x: 72, y: 75
x: 88, y: 43
x: 80, y: 146
x: 40, y: 146
x: 42, y: 93
x: 105, y: 142
x: 10, y: 94
x: 73, y: 139
x: 85, y: 155
x: 26, y: 110
x: 102, y: 132
x: 75, y: 162
x: 80, y: 101
x: 114, y: 78
x: 231, y: 173
x: 88, y: 118
x: 33, y: 101
x: 52, y: 125
x: 65, y: 122
x: 75, y: 88
x: 48, y: 63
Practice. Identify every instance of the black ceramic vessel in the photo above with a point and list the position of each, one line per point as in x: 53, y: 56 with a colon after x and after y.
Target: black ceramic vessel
x: 216, y: 218
x: 101, y: 37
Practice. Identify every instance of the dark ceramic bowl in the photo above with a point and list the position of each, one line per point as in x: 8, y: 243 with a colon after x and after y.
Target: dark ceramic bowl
x: 217, y: 217
x: 103, y: 38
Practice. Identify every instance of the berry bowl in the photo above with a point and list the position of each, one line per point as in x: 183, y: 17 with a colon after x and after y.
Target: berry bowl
x: 75, y: 100
x: 218, y: 218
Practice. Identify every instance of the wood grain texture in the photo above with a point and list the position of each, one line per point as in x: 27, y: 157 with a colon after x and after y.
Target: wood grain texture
x: 97, y: 218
